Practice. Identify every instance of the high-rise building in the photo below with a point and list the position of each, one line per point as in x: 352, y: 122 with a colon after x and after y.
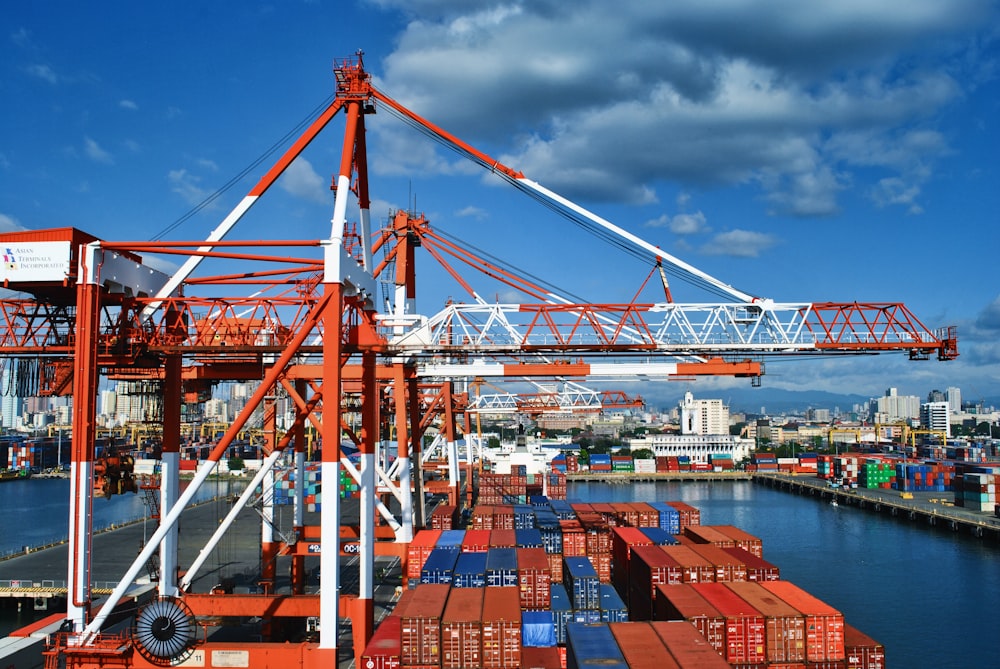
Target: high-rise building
x: 954, y: 396
x: 934, y: 416
x: 703, y: 416
x: 893, y: 408
x: 11, y: 406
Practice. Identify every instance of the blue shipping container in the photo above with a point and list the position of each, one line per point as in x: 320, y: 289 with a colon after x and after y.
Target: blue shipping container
x: 613, y: 609
x: 501, y: 567
x: 528, y: 538
x: 470, y: 571
x: 659, y: 536
x: 439, y: 567
x: 670, y: 518
x: 592, y: 645
x: 562, y: 611
x: 582, y: 583
x: 451, y: 539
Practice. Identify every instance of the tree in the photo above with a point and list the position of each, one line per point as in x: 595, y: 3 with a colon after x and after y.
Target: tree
x: 643, y: 454
x: 235, y: 464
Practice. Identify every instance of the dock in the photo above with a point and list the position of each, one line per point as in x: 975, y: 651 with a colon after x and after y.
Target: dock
x: 935, y: 509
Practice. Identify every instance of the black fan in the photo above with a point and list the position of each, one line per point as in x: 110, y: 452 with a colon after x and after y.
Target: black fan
x: 164, y: 631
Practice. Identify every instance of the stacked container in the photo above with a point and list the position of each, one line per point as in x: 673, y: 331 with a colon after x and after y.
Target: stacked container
x: 462, y: 629
x: 420, y: 629
x: 582, y: 584
x: 501, y: 628
x: 682, y: 602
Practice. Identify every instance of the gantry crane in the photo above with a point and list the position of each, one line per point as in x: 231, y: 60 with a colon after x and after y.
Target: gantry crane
x: 314, y: 330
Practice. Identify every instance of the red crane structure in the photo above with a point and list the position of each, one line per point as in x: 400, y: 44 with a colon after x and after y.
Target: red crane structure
x: 300, y: 317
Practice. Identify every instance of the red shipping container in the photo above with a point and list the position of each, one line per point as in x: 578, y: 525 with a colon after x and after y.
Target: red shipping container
x: 462, y: 629
x: 574, y: 539
x: 784, y: 627
x: 727, y: 567
x: 744, y: 624
x: 482, y: 517
x: 534, y: 579
x: 648, y: 516
x: 694, y: 568
x: 649, y: 567
x: 622, y: 539
x: 758, y: 569
x: 689, y: 515
x: 444, y: 516
x: 421, y: 546
x: 743, y: 539
x: 641, y: 646
x: 384, y: 648
x: 602, y: 565
x: 501, y: 628
x: 687, y: 645
x: 706, y: 534
x: 421, y: 625
x: 502, y: 538
x: 682, y: 602
x: 824, y: 624
x: 537, y: 657
x: 555, y: 566
x: 476, y: 541
x: 862, y: 651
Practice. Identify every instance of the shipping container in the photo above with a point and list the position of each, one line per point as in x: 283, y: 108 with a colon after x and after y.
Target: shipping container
x: 824, y: 624
x: 689, y: 515
x: 706, y: 534
x: 534, y: 657
x: 659, y: 536
x: 784, y: 627
x: 612, y: 608
x: 501, y: 567
x: 451, y: 539
x: 670, y: 518
x: 538, y: 629
x: 562, y: 611
x: 503, y: 539
x: 758, y: 569
x: 641, y: 646
x: 384, y: 648
x: 462, y: 629
x: 592, y: 645
x: 648, y: 568
x: 529, y: 538
x: 694, y: 568
x: 862, y: 651
x: 688, y: 647
x: 501, y: 628
x: 420, y: 630
x: 418, y: 551
x: 582, y: 584
x: 439, y: 566
x: 622, y: 540
x: 727, y: 567
x: 444, y: 517
x: 682, y: 602
x: 534, y: 578
x: 476, y: 541
x: 470, y: 571
x: 744, y: 623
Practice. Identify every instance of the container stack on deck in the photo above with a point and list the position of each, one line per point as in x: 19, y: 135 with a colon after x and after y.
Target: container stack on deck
x: 694, y: 596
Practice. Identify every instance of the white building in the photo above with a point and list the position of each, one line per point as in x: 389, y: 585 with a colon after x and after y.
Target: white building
x: 697, y: 447
x: 703, y: 416
x: 934, y: 416
x: 894, y: 408
x: 954, y: 396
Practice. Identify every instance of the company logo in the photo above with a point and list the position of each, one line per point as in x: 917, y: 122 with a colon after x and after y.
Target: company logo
x: 9, y: 260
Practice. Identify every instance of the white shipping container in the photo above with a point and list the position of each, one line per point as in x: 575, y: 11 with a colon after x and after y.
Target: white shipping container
x: 644, y: 466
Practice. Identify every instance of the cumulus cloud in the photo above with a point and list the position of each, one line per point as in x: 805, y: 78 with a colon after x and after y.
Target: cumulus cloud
x: 682, y: 224
x: 740, y: 243
x: 128, y: 104
x: 773, y: 95
x: 477, y: 213
x: 302, y: 181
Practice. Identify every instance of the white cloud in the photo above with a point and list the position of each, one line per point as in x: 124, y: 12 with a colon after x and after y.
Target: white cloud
x: 187, y: 186
x: 768, y: 94
x: 477, y: 213
x: 740, y: 243
x: 302, y: 181
x: 10, y: 224
x: 43, y: 72
x: 128, y: 104
x: 94, y: 151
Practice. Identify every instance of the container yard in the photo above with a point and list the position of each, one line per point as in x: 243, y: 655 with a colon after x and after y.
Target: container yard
x: 700, y: 597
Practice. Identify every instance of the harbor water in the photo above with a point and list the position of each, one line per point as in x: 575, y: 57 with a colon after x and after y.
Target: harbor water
x: 925, y: 593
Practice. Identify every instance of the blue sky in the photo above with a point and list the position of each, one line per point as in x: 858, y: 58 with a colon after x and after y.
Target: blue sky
x: 824, y: 151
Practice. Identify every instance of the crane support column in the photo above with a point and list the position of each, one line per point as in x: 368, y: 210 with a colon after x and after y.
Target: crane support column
x: 298, y: 576
x: 269, y: 550
x: 399, y: 389
x: 170, y: 468
x: 84, y: 437
x: 363, y: 622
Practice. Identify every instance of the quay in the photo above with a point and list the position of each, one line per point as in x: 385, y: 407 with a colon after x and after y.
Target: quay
x: 930, y: 508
